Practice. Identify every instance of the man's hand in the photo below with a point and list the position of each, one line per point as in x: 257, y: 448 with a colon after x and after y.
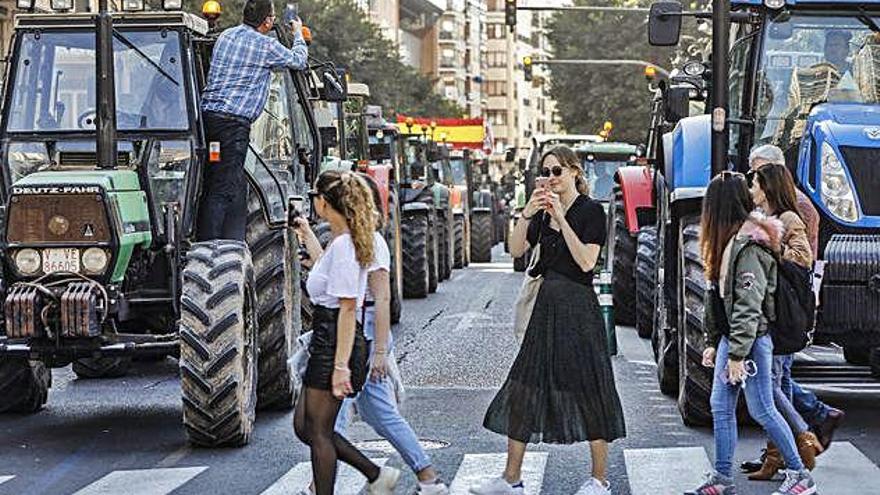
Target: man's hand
x: 379, y: 367
x: 296, y: 26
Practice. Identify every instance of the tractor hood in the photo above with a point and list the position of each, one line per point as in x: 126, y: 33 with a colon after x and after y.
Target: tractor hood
x: 78, y: 209
x: 841, y: 163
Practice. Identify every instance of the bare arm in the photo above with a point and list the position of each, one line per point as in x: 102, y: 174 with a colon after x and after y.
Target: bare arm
x: 585, y: 255
x: 518, y: 242
x: 345, y: 327
x: 380, y: 287
x: 308, y: 238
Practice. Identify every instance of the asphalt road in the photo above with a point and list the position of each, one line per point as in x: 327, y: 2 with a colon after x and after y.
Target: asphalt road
x: 124, y: 436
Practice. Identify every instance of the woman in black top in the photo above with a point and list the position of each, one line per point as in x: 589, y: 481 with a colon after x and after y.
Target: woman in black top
x: 561, y: 386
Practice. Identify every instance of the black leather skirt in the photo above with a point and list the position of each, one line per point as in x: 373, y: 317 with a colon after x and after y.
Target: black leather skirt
x: 319, y: 373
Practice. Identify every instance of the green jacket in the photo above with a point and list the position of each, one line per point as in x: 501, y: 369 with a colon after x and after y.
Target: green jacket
x: 749, y: 293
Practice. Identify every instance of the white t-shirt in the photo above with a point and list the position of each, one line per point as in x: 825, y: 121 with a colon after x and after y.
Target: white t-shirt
x: 381, y: 260
x: 337, y: 275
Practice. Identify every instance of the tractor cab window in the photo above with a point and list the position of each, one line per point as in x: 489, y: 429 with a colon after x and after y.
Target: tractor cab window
x: 810, y: 59
x: 54, y: 88
x: 459, y: 171
x: 272, y: 134
x: 167, y: 165
x: 600, y: 170
x: 740, y: 55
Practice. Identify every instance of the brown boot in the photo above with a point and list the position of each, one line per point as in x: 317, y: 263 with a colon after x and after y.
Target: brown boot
x: 772, y: 464
x: 808, y: 447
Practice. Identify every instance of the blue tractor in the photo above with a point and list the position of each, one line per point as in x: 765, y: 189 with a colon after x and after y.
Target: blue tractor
x: 803, y: 75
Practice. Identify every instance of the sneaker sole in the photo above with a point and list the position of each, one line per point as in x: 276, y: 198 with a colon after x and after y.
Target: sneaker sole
x: 808, y: 491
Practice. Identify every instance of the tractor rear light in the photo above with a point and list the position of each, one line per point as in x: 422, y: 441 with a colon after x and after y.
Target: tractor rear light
x: 837, y: 192
x: 28, y: 261
x: 95, y: 261
x: 25, y: 4
x: 132, y: 5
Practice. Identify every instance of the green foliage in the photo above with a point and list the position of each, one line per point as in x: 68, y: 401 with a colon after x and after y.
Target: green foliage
x: 589, y: 95
x: 344, y: 35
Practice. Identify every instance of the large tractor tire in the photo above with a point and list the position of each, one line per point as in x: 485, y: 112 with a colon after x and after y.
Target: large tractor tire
x: 219, y: 344
x: 875, y: 362
x: 277, y: 273
x: 393, y: 239
x: 414, y: 234
x: 664, y: 339
x: 623, y: 288
x: 444, y: 264
x: 458, y: 242
x: 433, y: 256
x: 857, y: 355
x: 481, y: 237
x: 102, y: 367
x: 695, y: 380
x: 24, y: 385
x: 646, y: 281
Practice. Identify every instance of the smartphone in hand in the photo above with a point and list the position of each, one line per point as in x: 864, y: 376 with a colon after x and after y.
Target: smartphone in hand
x: 542, y: 182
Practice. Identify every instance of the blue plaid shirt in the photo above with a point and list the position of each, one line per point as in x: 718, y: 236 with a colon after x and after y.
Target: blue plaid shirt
x: 241, y: 68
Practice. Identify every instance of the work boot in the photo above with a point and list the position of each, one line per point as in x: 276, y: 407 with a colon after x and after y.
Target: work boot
x: 808, y: 447
x: 825, y: 430
x: 749, y: 467
x: 772, y: 464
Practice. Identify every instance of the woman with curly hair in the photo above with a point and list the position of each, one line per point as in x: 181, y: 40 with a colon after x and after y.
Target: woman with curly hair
x: 337, y: 364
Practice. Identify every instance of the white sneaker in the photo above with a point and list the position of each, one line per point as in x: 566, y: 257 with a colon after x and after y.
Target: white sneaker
x: 498, y: 486
x: 437, y: 488
x: 385, y: 483
x: 595, y: 487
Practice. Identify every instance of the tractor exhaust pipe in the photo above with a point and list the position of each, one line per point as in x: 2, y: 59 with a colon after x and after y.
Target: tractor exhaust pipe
x: 720, y: 66
x: 106, y: 97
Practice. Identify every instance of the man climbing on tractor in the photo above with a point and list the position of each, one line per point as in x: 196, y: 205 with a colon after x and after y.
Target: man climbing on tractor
x: 237, y: 89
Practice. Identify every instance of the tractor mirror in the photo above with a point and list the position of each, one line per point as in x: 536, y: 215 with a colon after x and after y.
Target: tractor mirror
x: 676, y: 103
x: 509, y: 155
x: 664, y: 24
x: 335, y: 88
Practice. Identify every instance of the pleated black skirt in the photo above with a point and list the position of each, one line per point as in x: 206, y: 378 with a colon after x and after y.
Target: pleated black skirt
x: 322, y: 350
x: 561, y: 387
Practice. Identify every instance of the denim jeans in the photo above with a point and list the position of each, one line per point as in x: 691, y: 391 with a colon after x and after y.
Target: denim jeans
x: 782, y: 396
x: 378, y: 407
x: 813, y: 410
x: 759, y: 398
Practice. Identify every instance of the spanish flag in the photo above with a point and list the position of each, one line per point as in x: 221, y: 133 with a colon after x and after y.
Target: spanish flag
x: 459, y: 133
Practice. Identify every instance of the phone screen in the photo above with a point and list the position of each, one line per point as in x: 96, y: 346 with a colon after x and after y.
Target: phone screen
x: 541, y: 182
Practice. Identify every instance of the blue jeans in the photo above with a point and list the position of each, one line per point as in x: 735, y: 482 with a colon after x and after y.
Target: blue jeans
x: 813, y: 410
x: 782, y: 396
x: 378, y: 407
x: 759, y: 399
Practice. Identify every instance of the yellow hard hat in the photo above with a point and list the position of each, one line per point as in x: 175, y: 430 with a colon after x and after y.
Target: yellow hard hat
x: 211, y: 8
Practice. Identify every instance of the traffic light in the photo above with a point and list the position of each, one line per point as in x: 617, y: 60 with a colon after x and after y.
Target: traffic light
x: 527, y: 68
x: 510, y: 13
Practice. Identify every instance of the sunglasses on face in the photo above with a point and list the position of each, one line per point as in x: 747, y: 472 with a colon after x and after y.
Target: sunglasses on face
x: 556, y: 171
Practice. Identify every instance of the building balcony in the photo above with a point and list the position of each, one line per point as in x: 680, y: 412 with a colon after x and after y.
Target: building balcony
x: 418, y: 15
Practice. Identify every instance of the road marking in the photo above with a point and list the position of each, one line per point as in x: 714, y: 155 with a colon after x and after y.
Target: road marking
x: 475, y: 468
x: 173, y: 458
x: 142, y: 481
x: 4, y: 479
x: 649, y: 470
x: 843, y: 470
x: 348, y: 480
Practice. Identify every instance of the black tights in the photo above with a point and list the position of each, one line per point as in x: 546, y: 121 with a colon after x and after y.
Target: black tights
x: 314, y: 422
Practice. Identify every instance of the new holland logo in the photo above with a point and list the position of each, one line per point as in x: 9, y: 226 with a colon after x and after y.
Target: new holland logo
x: 872, y: 133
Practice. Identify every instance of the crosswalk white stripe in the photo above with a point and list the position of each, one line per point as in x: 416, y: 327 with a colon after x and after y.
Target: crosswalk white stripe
x: 4, y: 479
x: 844, y: 470
x: 348, y: 480
x: 475, y: 468
x: 142, y: 481
x: 649, y: 470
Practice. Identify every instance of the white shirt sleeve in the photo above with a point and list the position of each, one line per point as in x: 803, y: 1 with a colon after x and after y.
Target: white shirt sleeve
x: 382, y: 255
x: 344, y: 277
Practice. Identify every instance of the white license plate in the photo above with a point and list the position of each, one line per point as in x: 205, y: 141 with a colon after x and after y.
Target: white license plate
x: 61, y: 260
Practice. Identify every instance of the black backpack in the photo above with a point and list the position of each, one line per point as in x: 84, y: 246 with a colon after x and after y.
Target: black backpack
x: 792, y: 329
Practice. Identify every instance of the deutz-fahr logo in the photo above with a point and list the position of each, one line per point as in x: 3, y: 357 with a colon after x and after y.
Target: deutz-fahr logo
x: 872, y: 133
x: 56, y: 190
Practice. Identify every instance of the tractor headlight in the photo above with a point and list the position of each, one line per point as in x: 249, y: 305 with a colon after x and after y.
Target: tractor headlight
x: 837, y: 193
x: 25, y: 4
x: 28, y: 261
x: 774, y: 4
x: 95, y: 260
x: 172, y: 4
x: 61, y: 5
x: 132, y: 5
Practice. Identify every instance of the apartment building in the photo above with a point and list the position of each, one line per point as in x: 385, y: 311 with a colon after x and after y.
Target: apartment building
x: 517, y: 108
x: 461, y: 49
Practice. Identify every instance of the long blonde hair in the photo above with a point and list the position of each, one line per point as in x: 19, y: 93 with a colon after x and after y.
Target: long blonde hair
x: 568, y: 159
x: 350, y: 196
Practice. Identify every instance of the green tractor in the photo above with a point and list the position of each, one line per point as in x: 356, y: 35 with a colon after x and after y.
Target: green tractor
x: 103, y: 151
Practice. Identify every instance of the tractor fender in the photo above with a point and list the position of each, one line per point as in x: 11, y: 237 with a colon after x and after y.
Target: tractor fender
x: 688, y: 162
x: 414, y: 207
x: 458, y: 212
x: 636, y: 184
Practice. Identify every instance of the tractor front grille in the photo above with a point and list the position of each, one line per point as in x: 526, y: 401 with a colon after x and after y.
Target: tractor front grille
x: 864, y: 168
